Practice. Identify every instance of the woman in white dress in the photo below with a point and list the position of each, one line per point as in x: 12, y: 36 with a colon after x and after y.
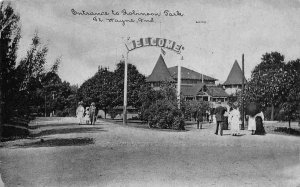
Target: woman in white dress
x: 80, y: 112
x: 251, y: 124
x: 235, y: 121
x: 229, y: 116
x: 87, y: 115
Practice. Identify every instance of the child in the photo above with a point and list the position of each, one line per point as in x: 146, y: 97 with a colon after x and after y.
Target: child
x: 87, y: 115
x: 80, y: 112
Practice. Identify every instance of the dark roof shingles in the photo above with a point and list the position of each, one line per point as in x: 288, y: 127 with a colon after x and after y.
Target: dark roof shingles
x: 188, y: 74
x: 160, y: 72
x: 191, y: 90
x: 216, y: 91
x: 235, y: 76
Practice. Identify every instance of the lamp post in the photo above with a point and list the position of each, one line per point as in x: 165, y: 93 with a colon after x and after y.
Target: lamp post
x: 243, y: 90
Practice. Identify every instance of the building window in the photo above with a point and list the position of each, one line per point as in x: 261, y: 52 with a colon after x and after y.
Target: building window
x: 199, y: 98
x: 189, y: 98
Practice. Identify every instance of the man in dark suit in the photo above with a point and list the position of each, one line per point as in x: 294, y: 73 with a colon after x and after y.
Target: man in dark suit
x: 220, y: 118
x: 199, y: 119
x: 93, y: 113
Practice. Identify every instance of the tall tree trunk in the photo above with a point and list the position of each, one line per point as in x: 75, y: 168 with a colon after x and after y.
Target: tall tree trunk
x: 2, y: 55
x: 272, y: 113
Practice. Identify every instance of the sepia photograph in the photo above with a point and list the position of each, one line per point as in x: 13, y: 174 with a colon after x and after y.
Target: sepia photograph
x: 175, y: 93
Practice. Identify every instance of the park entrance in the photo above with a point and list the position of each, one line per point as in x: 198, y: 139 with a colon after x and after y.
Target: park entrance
x: 151, y: 42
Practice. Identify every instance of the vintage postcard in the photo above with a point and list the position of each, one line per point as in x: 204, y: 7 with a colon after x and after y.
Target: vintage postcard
x: 150, y: 93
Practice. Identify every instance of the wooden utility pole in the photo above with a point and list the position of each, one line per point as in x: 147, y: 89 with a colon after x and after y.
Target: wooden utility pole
x: 179, y: 81
x: 125, y: 90
x: 243, y: 87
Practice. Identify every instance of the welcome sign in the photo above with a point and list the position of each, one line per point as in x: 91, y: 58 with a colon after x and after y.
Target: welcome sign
x: 159, y: 42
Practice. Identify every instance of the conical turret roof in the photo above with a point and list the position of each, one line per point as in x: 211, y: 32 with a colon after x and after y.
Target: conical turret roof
x: 235, y: 76
x: 160, y: 72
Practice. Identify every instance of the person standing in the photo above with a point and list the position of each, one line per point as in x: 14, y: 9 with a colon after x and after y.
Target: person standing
x: 80, y: 112
x: 87, y: 115
x: 199, y: 119
x: 252, y: 122
x: 259, y: 122
x: 220, y: 118
x: 229, y: 116
x: 235, y: 121
x: 93, y: 113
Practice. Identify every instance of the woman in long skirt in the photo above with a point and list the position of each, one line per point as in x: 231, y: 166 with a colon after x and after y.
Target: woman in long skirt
x: 229, y: 116
x: 251, y: 124
x: 80, y: 112
x: 235, y: 121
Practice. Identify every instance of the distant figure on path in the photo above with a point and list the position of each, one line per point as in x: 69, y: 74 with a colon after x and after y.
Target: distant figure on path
x: 199, y: 119
x: 252, y: 122
x: 235, y: 121
x: 259, y: 121
x: 229, y: 116
x: 93, y: 113
x: 220, y: 118
x: 87, y: 115
x: 80, y: 112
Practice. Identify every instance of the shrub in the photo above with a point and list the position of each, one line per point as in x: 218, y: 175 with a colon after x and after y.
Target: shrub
x: 164, y: 114
x: 159, y: 107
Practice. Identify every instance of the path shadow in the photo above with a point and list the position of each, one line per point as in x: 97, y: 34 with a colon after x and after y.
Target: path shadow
x: 225, y: 134
x: 239, y: 135
x: 203, y: 128
x: 59, y: 142
x: 32, y: 127
x: 68, y: 131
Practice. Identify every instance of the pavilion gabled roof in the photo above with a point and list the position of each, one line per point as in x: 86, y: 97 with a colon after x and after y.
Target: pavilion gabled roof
x: 191, y: 90
x: 235, y: 76
x: 216, y: 91
x: 189, y: 74
x: 160, y: 72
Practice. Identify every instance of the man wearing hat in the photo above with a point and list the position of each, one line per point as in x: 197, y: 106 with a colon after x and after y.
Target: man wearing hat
x: 220, y: 118
x: 93, y: 113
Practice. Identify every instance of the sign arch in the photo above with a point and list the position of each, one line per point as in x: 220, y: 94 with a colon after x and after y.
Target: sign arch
x: 148, y: 42
x: 156, y: 42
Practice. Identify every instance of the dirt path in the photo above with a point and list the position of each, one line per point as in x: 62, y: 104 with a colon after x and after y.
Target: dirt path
x: 113, y: 155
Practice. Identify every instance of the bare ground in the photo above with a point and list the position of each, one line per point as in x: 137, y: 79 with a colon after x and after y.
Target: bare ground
x: 114, y: 155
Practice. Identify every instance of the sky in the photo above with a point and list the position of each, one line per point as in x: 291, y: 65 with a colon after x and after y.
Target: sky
x: 214, y: 33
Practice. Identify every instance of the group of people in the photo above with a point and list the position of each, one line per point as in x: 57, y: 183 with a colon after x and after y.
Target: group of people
x: 87, y: 115
x: 234, y: 120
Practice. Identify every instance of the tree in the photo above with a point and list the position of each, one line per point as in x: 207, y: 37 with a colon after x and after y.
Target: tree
x: 98, y: 89
x: 192, y: 107
x: 135, y: 83
x: 290, y: 107
x: 60, y: 96
x: 29, y: 75
x: 9, y: 40
x: 266, y: 84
